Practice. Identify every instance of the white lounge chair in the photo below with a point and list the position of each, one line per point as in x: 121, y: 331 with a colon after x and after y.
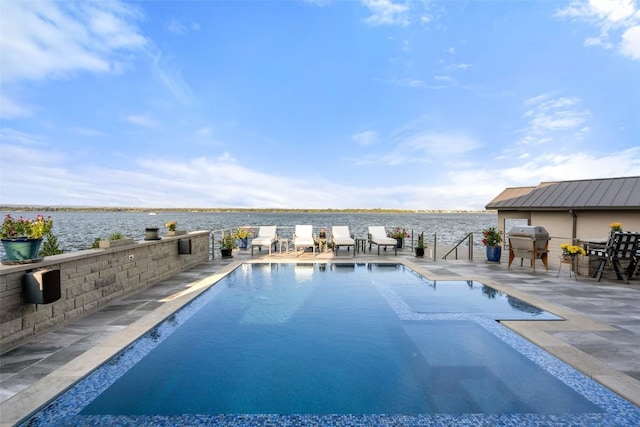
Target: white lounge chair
x: 378, y: 236
x: 267, y: 236
x: 340, y: 236
x: 303, y: 237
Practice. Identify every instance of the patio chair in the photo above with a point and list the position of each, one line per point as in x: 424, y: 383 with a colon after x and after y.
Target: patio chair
x: 340, y: 236
x: 267, y: 236
x: 378, y: 236
x: 622, y: 246
x: 303, y: 237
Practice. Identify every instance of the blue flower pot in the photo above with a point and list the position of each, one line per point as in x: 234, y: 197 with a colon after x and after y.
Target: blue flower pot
x: 242, y: 243
x: 494, y: 253
x: 21, y: 249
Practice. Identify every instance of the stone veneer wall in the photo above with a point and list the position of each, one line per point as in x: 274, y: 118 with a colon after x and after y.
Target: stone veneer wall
x: 90, y: 279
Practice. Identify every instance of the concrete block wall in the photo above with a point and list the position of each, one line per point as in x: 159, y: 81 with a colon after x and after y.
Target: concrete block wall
x: 91, y: 279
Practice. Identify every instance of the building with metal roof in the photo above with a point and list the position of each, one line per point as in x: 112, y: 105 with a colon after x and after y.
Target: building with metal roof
x: 571, y: 211
x: 590, y: 194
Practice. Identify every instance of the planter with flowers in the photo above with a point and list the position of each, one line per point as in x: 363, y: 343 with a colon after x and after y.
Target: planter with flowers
x: 491, y: 238
x: 172, y: 229
x: 399, y: 234
x: 569, y: 252
x: 22, y: 237
x: 616, y: 227
x: 243, y: 234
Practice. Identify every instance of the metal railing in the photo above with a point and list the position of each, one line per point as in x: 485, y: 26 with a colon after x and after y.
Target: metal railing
x: 286, y: 232
x: 468, y: 237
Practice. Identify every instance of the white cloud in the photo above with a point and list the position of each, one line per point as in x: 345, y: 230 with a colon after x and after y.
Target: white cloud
x: 11, y: 109
x: 386, y: 12
x: 630, y: 44
x: 44, y: 39
x: 618, y: 22
x: 51, y: 39
x: 203, y: 132
x: 177, y: 28
x: 550, y: 118
x: 181, y: 29
x: 222, y: 180
x: 368, y: 137
x: 87, y: 131
x: 443, y: 78
x: 411, y: 145
x: 164, y: 69
x: 142, y: 120
x: 579, y: 165
x: 8, y: 135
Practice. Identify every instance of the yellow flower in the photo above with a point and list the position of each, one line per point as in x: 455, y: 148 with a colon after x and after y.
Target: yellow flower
x: 244, y: 232
x: 616, y: 226
x: 171, y: 225
x: 572, y: 250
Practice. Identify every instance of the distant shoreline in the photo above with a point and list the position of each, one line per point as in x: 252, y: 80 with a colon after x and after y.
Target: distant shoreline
x: 30, y: 208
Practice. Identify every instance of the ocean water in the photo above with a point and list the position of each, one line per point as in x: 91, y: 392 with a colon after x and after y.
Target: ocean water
x: 78, y: 230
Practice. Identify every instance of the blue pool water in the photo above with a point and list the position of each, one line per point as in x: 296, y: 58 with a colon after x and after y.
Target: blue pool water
x: 350, y: 344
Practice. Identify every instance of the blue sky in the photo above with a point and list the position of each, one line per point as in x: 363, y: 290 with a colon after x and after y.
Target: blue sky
x: 313, y: 104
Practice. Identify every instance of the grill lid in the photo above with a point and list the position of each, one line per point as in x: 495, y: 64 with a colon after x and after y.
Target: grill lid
x: 532, y: 232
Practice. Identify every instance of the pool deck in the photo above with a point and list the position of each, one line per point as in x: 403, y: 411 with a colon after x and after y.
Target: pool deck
x: 600, y: 335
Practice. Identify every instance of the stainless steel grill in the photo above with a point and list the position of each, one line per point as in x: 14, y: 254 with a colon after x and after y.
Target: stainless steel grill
x: 530, y: 242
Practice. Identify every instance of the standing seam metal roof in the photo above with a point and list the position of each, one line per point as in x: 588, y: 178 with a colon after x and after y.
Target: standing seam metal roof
x: 606, y: 193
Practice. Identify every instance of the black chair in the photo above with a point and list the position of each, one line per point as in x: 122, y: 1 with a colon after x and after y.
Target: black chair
x: 621, y: 247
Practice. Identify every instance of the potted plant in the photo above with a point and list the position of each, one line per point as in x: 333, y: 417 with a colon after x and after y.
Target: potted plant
x: 420, y: 247
x: 569, y: 252
x: 616, y: 227
x: 116, y: 239
x: 227, y: 244
x: 243, y: 234
x: 173, y: 231
x: 399, y: 234
x: 492, y: 238
x: 322, y: 234
x: 22, y: 237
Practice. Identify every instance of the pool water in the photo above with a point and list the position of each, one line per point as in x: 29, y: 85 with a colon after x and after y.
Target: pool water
x: 361, y: 340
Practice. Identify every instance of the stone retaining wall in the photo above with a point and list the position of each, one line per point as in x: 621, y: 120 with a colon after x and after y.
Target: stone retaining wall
x: 90, y: 279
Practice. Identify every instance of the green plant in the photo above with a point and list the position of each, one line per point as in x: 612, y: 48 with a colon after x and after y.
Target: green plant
x: 26, y: 228
x: 50, y: 245
x: 491, y: 237
x: 616, y: 226
x: 171, y: 225
x: 421, y: 241
x: 114, y: 236
x: 399, y: 233
x: 228, y: 241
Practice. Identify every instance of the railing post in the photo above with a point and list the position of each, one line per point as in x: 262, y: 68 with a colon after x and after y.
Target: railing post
x: 470, y: 246
x: 435, y: 256
x: 212, y: 236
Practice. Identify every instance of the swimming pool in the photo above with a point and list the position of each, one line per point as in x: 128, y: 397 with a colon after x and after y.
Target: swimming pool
x: 351, y: 344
